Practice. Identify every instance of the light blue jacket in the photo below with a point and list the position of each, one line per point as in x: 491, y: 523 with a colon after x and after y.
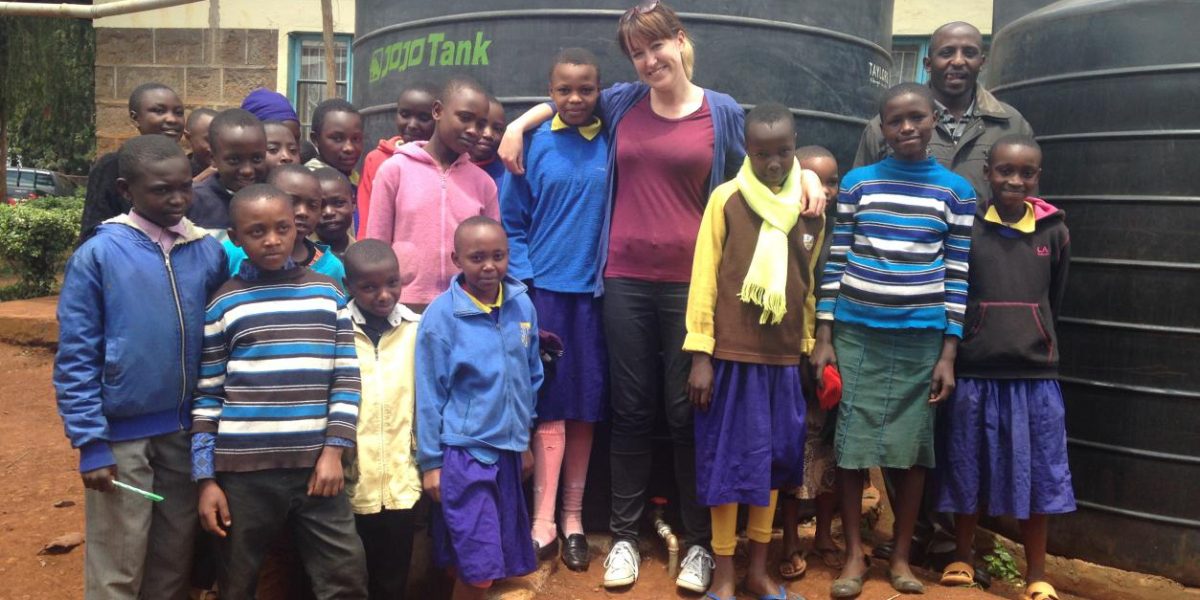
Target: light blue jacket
x: 477, y: 376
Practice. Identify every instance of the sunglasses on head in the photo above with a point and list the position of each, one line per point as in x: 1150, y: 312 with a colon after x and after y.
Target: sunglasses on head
x: 641, y: 9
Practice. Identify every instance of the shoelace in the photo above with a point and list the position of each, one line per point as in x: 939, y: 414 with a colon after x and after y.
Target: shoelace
x: 697, y: 555
x: 621, y: 552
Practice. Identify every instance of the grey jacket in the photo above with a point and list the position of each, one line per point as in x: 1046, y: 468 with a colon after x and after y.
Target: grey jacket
x: 993, y: 120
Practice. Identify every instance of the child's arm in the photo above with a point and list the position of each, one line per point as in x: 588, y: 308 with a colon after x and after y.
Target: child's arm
x: 702, y: 297
x: 959, y: 215
x: 516, y: 208
x: 831, y: 280
x: 206, y: 415
x: 512, y: 145
x: 78, y: 368
x: 433, y: 392
x: 341, y: 428
x: 383, y: 208
x: 1058, y: 276
x: 810, y: 297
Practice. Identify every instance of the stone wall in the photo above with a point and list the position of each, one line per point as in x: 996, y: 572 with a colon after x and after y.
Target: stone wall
x: 216, y: 73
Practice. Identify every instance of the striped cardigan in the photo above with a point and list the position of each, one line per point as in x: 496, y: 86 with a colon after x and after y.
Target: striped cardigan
x: 898, y: 256
x: 279, y: 373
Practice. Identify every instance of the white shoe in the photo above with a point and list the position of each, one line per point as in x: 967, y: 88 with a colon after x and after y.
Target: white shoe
x: 695, y: 572
x: 621, y: 566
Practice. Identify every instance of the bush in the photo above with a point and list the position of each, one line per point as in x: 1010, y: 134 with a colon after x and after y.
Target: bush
x: 36, y: 237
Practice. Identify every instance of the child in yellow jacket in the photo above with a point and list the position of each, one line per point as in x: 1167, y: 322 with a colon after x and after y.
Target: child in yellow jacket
x: 384, y: 483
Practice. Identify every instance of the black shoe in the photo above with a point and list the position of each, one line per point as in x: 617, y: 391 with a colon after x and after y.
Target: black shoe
x: 542, y: 553
x: 883, y: 550
x: 575, y: 552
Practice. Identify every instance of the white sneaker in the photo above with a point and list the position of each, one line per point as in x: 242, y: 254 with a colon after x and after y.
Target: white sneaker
x: 621, y: 566
x: 695, y: 572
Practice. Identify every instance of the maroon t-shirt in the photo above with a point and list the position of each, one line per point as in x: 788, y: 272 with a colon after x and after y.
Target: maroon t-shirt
x: 662, y: 183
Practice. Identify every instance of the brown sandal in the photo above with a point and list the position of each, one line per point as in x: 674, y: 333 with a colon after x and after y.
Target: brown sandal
x: 958, y: 573
x: 1040, y: 590
x: 788, y: 568
x: 834, y: 558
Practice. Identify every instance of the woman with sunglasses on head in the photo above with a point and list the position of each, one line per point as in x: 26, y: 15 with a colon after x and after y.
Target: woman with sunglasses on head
x: 672, y: 142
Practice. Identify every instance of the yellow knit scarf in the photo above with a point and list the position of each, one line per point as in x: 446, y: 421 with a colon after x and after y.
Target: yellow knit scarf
x: 766, y: 279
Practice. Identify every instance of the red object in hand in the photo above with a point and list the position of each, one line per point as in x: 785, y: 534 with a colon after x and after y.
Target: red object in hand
x: 829, y: 393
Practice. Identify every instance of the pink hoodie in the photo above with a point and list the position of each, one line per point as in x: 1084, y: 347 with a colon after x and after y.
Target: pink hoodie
x: 418, y: 217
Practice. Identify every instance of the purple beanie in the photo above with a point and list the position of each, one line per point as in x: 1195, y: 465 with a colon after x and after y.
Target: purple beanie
x: 266, y: 105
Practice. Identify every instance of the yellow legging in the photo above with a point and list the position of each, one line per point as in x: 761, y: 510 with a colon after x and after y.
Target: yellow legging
x: 724, y: 525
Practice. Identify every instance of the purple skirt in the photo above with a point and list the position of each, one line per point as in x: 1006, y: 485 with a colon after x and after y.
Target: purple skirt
x: 1002, y: 445
x: 751, y: 439
x: 579, y: 388
x: 481, y: 527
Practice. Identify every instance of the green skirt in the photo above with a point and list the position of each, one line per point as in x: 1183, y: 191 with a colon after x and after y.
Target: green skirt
x: 884, y: 418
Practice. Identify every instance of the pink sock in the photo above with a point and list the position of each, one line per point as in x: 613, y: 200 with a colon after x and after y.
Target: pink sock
x: 579, y: 450
x: 548, y: 442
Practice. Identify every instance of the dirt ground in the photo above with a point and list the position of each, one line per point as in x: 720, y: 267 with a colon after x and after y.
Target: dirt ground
x: 39, y: 469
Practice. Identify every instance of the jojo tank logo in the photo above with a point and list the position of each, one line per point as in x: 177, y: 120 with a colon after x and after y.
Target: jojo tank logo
x: 433, y: 50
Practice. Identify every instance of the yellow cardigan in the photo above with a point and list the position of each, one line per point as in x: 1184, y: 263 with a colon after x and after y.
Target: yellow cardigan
x: 384, y: 473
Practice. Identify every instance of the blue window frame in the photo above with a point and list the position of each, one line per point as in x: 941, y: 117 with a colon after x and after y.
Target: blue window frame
x: 306, y: 72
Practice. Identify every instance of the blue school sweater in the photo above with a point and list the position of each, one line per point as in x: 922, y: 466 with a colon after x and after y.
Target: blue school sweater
x: 278, y: 374
x: 555, y: 213
x: 898, y: 257
x: 477, y: 375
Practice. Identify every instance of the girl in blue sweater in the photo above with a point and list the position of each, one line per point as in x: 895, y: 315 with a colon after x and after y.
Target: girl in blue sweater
x: 553, y: 216
x: 890, y: 316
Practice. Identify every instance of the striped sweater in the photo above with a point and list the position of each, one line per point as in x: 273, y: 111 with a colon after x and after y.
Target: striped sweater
x: 278, y: 374
x: 898, y: 256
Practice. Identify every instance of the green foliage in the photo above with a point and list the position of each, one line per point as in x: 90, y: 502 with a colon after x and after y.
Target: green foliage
x: 1001, y: 564
x: 36, y: 237
x: 47, y: 91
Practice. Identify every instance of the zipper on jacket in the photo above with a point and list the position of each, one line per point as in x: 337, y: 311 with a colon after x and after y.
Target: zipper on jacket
x: 182, y: 334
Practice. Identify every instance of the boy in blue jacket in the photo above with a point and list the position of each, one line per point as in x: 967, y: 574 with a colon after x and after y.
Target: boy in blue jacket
x: 131, y: 323
x: 478, y: 373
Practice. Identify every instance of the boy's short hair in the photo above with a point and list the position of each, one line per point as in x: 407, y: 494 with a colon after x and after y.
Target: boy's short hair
x: 195, y: 116
x: 139, y: 92
x: 251, y: 193
x: 142, y: 150
x: 472, y: 222
x: 901, y: 89
x: 575, y: 56
x: 286, y: 168
x: 460, y: 82
x: 331, y: 105
x: 307, y: 151
x: 1014, y: 139
x: 425, y: 86
x: 327, y: 174
x: 231, y: 118
x: 365, y: 253
x: 813, y: 151
x: 769, y: 113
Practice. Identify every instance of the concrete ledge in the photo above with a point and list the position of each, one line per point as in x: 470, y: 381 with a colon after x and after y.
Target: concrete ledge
x: 30, y: 322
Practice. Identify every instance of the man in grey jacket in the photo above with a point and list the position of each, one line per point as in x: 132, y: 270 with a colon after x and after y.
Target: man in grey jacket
x: 970, y: 118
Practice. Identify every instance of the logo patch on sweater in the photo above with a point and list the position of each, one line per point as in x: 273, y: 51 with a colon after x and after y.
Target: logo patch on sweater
x: 525, y: 328
x: 808, y: 242
x: 1043, y: 251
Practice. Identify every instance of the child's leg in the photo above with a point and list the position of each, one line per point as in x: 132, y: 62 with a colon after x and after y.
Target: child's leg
x: 258, y: 508
x: 173, y: 525
x: 758, y: 529
x: 387, y: 539
x: 826, y: 505
x: 470, y: 591
x: 575, y: 470
x: 548, y: 444
x: 117, y: 525
x: 323, y: 531
x: 908, y: 502
x: 964, y: 531
x: 1033, y: 535
x: 852, y: 483
x: 724, y: 542
x: 791, y: 534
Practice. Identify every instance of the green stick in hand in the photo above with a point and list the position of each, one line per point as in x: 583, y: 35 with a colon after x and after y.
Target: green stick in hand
x: 140, y: 492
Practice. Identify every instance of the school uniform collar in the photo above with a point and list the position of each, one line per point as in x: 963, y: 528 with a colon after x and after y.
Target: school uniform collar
x: 400, y: 313
x: 484, y: 306
x: 589, y: 131
x: 290, y: 270
x: 1026, y: 224
x: 465, y: 304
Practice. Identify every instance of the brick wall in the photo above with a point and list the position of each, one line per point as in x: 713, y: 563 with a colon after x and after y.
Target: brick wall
x: 217, y: 75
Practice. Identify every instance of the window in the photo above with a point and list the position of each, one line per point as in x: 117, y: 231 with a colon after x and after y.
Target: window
x: 907, y: 63
x: 306, y: 72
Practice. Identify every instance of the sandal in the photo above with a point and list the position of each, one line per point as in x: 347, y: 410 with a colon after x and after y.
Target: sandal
x: 788, y: 568
x: 834, y: 558
x: 1040, y: 590
x: 958, y: 573
x: 712, y: 596
x: 782, y: 594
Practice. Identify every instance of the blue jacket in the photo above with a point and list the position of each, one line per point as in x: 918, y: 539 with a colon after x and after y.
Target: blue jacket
x: 477, y: 375
x: 728, y: 146
x: 131, y: 323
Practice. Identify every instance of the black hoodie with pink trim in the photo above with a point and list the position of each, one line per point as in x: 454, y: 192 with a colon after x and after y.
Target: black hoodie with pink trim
x: 1017, y: 281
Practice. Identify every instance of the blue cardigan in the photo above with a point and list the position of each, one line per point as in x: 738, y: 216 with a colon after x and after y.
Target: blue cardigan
x: 477, y: 375
x: 728, y: 147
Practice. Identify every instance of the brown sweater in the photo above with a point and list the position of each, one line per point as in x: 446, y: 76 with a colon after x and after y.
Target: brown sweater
x: 720, y: 323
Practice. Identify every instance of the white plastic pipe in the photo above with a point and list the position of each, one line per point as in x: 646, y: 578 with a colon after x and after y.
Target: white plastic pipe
x: 83, y: 11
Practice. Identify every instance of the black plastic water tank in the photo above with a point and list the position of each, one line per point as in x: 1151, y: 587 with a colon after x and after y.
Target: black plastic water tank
x: 1112, y: 88
x: 825, y: 60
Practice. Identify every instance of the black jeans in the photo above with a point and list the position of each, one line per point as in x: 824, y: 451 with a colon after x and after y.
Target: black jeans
x: 260, y: 503
x: 644, y: 326
x: 387, y: 538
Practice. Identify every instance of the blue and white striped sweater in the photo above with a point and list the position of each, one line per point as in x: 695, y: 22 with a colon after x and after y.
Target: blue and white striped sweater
x: 898, y: 255
x: 278, y: 375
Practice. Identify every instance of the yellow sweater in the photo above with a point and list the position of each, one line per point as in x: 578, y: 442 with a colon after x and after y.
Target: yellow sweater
x: 384, y: 473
